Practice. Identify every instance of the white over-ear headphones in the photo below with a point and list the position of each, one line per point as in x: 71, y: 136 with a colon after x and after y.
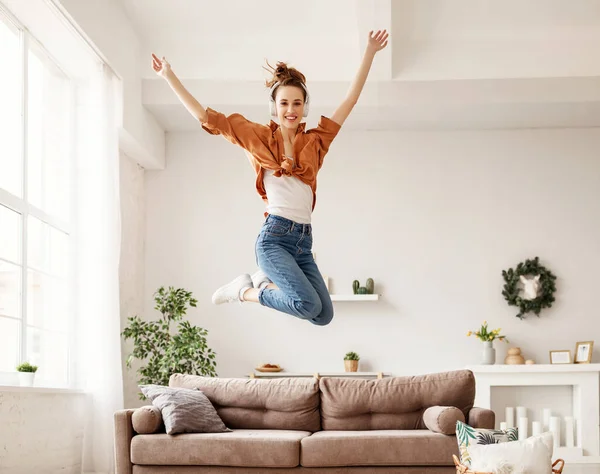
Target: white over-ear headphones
x: 273, y: 108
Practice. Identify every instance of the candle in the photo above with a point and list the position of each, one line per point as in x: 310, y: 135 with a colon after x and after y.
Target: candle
x: 555, y: 430
x: 523, y: 426
x: 547, y: 414
x: 503, y: 425
x: 510, y: 417
x: 536, y: 428
x: 521, y: 412
x: 569, y: 434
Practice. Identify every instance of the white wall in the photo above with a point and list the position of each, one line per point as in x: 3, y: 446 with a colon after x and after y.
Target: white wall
x: 435, y: 40
x: 41, y: 432
x: 108, y: 28
x: 433, y: 217
x: 131, y: 268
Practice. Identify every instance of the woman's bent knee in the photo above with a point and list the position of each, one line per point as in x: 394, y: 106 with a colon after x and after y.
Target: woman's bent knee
x: 325, y: 317
x: 308, y: 309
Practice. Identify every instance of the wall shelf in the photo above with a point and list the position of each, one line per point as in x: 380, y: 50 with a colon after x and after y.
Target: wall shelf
x: 354, y: 297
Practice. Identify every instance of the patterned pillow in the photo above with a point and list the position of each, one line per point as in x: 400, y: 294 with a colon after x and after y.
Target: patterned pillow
x: 468, y: 436
x: 532, y: 455
x: 184, y: 410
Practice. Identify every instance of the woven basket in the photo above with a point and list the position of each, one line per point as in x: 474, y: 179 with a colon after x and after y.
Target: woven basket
x: 557, y: 467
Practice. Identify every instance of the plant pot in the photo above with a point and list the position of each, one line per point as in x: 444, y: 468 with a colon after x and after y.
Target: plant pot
x: 489, y: 353
x: 351, y: 365
x: 26, y: 379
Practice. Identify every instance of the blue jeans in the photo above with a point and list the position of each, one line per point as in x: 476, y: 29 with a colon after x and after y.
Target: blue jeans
x: 284, y: 253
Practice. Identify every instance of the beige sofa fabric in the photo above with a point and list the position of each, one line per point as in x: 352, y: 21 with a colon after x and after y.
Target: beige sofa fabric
x: 442, y: 419
x: 146, y: 419
x: 285, y: 404
x: 363, y: 422
x: 255, y: 448
x: 297, y: 470
x: 123, y: 435
x: 377, y: 448
x: 392, y: 403
x: 481, y: 418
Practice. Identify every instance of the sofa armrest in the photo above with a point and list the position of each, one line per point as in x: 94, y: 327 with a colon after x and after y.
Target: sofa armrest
x: 123, y: 436
x: 481, y: 418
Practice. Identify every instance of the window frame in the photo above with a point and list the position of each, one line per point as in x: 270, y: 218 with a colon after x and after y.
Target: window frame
x: 24, y: 208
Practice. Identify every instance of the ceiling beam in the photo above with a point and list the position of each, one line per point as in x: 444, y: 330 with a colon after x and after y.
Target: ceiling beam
x: 392, y: 93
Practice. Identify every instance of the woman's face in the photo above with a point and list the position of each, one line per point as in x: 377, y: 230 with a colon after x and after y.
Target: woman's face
x: 290, y: 106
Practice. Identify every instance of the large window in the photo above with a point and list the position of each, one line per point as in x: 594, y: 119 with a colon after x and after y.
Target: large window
x: 36, y: 206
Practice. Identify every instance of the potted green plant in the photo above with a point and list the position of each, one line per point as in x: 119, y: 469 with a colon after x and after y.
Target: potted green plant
x: 26, y: 374
x: 487, y: 337
x: 163, y: 352
x: 351, y: 362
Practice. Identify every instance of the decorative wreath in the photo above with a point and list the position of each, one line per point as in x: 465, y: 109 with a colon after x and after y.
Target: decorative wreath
x: 538, y: 291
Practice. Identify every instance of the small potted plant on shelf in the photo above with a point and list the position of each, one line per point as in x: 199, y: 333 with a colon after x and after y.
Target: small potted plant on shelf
x: 351, y: 362
x: 488, y: 337
x: 26, y: 374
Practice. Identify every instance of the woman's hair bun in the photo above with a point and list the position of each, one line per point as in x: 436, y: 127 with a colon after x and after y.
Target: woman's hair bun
x: 284, y: 75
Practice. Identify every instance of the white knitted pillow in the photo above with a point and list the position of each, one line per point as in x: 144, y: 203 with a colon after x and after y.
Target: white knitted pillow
x: 530, y: 456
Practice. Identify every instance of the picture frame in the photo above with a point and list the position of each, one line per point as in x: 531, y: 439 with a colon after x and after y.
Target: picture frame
x: 560, y: 357
x: 583, y: 352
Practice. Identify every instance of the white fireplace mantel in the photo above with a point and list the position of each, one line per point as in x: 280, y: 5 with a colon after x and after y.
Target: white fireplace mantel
x: 584, y: 380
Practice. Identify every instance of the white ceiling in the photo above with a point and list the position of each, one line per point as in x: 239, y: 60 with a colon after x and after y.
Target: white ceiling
x: 450, y: 64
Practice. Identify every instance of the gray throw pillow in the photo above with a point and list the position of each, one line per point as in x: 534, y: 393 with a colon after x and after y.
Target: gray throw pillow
x: 184, y: 410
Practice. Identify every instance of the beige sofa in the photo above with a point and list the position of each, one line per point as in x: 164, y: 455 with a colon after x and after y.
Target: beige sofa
x: 331, y: 425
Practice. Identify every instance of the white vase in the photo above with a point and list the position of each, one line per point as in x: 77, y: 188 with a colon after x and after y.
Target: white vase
x: 489, y: 353
x: 26, y: 379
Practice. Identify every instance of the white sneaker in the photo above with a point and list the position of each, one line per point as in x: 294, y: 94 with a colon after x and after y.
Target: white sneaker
x: 260, y: 279
x: 230, y: 292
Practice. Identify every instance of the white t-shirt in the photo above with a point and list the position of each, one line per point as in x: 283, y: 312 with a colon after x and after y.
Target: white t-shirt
x: 288, y: 197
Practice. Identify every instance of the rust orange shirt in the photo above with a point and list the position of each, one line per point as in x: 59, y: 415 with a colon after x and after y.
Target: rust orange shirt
x: 264, y: 144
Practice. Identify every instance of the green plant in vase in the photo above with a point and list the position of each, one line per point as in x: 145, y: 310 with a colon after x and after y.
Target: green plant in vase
x: 163, y: 352
x: 26, y: 374
x: 368, y: 289
x: 488, y: 337
x: 351, y: 362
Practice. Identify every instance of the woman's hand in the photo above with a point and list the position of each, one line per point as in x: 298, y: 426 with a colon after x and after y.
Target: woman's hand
x: 163, y: 69
x: 377, y: 41
x: 160, y: 66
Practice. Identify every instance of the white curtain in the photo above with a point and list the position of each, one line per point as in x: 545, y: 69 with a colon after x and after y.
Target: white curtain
x: 98, y: 237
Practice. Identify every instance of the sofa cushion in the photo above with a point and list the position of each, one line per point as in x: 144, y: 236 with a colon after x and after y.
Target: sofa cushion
x: 377, y: 448
x: 395, y: 403
x: 467, y: 436
x: 242, y: 448
x: 184, y: 410
x: 481, y: 418
x: 442, y: 419
x: 146, y: 419
x: 532, y: 455
x: 284, y: 404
